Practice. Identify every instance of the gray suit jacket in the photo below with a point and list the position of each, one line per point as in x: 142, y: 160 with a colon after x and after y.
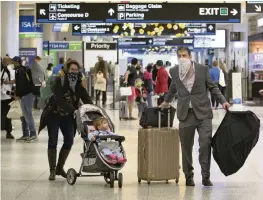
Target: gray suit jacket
x: 38, y: 74
x: 198, y: 96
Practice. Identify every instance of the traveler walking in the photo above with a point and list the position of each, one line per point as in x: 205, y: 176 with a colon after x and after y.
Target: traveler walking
x: 191, y: 80
x: 59, y: 114
x: 7, y: 82
x: 104, y: 67
x: 161, y: 87
x: 223, y: 79
x: 215, y: 75
x: 129, y: 79
x: 148, y: 83
x: 24, y: 89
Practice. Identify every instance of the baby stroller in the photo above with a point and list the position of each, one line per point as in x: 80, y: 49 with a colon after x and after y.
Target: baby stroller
x: 92, y: 160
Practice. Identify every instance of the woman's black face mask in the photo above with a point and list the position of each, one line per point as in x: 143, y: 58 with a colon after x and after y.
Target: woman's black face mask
x: 73, y: 76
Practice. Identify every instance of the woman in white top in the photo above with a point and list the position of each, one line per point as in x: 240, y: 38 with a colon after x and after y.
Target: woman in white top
x: 49, y: 70
x: 7, y: 82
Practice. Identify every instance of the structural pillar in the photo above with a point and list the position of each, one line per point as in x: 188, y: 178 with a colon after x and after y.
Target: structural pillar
x: 9, y: 28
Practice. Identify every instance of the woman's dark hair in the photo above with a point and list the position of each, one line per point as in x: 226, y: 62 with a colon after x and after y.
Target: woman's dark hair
x: 71, y: 62
x: 49, y: 66
x: 149, y: 68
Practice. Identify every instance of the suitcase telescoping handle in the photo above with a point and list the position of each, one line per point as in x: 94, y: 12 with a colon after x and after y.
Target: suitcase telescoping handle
x: 160, y: 116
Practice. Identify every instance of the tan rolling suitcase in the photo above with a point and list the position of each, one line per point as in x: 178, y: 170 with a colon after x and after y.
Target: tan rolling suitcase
x: 158, y: 154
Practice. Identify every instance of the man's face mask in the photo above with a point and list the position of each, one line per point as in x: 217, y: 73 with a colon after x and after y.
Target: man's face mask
x: 184, y: 62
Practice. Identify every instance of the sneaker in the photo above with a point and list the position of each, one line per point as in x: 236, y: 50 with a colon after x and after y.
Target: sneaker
x: 31, y: 139
x: 23, y: 138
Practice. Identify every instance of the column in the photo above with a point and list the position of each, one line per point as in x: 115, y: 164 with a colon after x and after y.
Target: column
x: 9, y: 28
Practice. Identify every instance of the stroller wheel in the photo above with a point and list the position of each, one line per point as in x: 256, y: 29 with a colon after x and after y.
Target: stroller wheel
x: 71, y: 176
x: 111, y: 179
x: 120, y: 180
x: 107, y: 178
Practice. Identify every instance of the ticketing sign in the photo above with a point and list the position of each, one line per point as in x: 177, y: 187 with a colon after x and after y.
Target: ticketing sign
x: 132, y: 29
x: 138, y: 12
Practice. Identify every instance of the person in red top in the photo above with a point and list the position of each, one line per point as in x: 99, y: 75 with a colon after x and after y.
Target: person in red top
x: 161, y: 87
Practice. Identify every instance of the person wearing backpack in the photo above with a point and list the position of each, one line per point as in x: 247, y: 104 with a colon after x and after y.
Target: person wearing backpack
x: 24, y: 91
x: 7, y: 81
x: 67, y: 90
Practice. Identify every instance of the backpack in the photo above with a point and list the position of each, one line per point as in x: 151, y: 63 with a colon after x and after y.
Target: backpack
x: 47, y: 92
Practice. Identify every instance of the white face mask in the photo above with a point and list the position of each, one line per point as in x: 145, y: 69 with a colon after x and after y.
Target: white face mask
x: 185, y: 62
x: 184, y: 66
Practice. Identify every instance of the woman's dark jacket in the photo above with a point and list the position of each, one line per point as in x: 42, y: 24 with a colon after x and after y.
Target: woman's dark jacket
x: 64, y: 101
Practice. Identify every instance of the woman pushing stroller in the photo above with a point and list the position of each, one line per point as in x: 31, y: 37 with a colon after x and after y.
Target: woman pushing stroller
x: 109, y: 149
x: 59, y: 114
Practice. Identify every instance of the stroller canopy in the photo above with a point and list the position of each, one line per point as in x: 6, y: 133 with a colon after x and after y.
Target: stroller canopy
x: 88, y: 113
x: 233, y: 141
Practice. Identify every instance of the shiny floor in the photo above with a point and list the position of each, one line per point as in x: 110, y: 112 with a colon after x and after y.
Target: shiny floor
x: 24, y: 172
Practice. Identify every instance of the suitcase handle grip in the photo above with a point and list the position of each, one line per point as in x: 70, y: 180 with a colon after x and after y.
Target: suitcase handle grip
x: 159, y: 117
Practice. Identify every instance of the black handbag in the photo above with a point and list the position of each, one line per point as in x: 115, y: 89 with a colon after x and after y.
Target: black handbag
x: 150, y: 117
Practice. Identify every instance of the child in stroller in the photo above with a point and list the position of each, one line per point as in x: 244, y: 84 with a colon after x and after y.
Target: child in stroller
x: 109, y: 149
x: 94, y: 163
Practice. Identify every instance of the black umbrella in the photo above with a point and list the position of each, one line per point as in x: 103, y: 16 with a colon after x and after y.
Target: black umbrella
x: 233, y: 141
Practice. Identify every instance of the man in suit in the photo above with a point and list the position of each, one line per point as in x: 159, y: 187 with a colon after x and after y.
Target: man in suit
x: 191, y: 81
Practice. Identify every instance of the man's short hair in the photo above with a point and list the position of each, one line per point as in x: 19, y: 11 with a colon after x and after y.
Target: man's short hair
x: 134, y: 61
x: 159, y: 63
x: 184, y: 49
x: 61, y: 60
x: 37, y: 58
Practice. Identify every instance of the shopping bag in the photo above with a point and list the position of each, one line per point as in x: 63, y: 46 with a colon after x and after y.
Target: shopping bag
x: 15, y: 111
x: 125, y: 91
x: 222, y: 81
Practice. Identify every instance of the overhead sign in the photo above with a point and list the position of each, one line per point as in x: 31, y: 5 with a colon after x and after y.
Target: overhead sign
x: 101, y: 46
x: 62, y: 46
x: 254, y: 7
x: 132, y: 29
x: 28, y: 28
x: 130, y: 43
x: 138, y: 12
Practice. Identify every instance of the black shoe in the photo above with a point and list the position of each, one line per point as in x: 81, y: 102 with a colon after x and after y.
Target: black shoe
x: 9, y: 136
x: 52, y: 159
x: 63, y: 155
x: 190, y: 182
x: 206, y: 182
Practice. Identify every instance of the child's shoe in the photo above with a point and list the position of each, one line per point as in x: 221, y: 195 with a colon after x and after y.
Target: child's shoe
x: 121, y: 160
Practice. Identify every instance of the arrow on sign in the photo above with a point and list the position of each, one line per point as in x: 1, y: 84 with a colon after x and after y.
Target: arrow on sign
x: 42, y: 12
x: 234, y: 12
x: 111, y: 12
x: 210, y: 27
x: 258, y: 8
x: 76, y: 27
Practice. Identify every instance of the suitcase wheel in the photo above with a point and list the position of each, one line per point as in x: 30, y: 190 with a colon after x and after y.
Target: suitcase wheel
x: 167, y: 181
x: 177, y: 180
x: 139, y: 181
x: 149, y: 182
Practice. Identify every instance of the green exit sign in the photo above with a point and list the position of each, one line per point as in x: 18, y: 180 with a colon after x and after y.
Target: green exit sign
x: 224, y: 11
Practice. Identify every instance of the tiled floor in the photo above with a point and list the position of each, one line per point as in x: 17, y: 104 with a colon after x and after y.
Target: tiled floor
x: 25, y: 172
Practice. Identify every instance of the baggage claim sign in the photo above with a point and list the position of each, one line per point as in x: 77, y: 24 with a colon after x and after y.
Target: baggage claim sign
x: 138, y: 12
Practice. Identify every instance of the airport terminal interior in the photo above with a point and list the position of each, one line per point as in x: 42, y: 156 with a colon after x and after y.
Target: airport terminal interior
x: 224, y: 35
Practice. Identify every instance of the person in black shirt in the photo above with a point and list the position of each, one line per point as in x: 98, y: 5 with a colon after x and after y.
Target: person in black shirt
x: 130, y: 77
x: 68, y: 90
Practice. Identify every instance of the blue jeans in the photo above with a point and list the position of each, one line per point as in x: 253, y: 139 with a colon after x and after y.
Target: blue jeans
x: 149, y: 99
x: 66, y: 125
x: 28, y: 123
